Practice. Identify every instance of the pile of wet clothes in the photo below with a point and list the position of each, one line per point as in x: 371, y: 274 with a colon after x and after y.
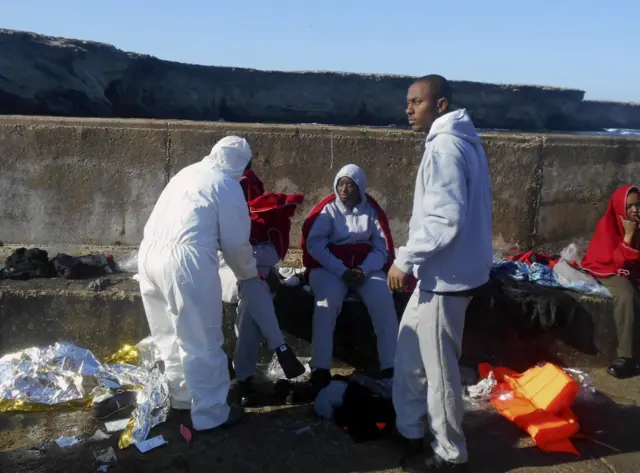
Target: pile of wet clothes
x: 24, y: 264
x: 359, y: 405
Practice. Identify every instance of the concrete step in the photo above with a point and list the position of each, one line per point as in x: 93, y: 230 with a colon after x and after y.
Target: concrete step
x: 43, y: 311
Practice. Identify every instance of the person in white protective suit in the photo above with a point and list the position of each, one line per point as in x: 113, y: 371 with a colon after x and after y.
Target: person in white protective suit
x: 201, y: 210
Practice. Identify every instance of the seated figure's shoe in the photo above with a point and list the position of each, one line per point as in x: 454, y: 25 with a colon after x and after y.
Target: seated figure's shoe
x: 235, y: 416
x: 320, y: 379
x: 289, y: 362
x: 246, y: 394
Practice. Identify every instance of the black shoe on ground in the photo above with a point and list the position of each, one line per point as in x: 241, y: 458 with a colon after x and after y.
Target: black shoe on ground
x: 284, y: 391
x: 122, y: 404
x: 246, y: 394
x: 623, y: 368
x: 386, y: 373
x: 290, y: 364
x: 320, y: 379
x: 418, y: 462
x: 235, y: 416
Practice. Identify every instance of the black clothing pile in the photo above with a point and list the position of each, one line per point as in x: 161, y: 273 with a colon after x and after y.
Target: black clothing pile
x: 31, y: 263
x: 25, y: 264
x: 82, y: 267
x: 532, y: 310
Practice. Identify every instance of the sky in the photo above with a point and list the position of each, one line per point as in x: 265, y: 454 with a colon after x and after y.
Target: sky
x: 592, y: 45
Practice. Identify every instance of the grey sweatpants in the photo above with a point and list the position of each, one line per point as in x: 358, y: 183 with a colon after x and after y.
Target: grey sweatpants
x: 427, y: 376
x: 329, y: 291
x: 256, y: 316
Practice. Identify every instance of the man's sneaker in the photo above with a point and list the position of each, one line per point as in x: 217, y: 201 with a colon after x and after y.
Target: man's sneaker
x: 290, y: 364
x: 320, y: 379
x: 623, y: 368
x: 418, y: 462
x: 246, y: 394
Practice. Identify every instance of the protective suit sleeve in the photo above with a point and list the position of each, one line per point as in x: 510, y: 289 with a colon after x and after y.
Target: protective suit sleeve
x: 377, y: 258
x: 235, y: 229
x: 443, y: 208
x: 318, y: 245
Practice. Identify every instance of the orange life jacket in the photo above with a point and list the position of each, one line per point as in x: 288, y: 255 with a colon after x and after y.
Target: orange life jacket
x: 539, y: 402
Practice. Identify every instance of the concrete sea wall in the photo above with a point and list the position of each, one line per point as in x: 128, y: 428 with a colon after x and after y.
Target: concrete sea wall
x: 95, y: 181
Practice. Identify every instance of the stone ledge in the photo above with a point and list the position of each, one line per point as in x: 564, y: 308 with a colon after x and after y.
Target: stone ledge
x: 40, y: 312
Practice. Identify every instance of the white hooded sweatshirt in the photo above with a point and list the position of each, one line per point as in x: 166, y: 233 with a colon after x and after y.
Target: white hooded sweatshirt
x: 203, y: 206
x: 450, y: 232
x: 339, y: 225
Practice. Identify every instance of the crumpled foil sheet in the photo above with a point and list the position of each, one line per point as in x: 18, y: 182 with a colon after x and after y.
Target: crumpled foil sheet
x: 153, y: 405
x: 60, y: 375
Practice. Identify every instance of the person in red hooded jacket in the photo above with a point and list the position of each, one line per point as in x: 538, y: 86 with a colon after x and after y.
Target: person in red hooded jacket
x: 613, y: 256
x: 271, y: 215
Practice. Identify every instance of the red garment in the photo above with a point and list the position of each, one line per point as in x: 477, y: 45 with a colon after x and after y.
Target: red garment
x: 352, y: 255
x: 608, y: 254
x: 251, y: 185
x: 271, y: 219
x: 531, y: 257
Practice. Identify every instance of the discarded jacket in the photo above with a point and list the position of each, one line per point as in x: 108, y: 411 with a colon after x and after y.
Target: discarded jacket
x: 365, y: 410
x: 91, y: 266
x: 539, y: 402
x: 25, y: 264
x: 532, y: 310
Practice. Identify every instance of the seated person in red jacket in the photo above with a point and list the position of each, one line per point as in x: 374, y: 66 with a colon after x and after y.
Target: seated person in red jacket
x: 270, y: 226
x: 347, y: 245
x: 613, y: 256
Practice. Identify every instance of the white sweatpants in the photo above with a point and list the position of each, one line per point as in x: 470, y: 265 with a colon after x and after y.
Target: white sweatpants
x: 182, y: 299
x: 427, y: 375
x: 256, y: 316
x: 329, y: 292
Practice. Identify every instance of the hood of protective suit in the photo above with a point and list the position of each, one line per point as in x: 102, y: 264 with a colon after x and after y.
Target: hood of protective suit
x: 357, y: 175
x: 230, y: 155
x: 457, y: 123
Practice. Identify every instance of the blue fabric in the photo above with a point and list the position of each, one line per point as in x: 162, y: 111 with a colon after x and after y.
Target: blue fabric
x: 519, y: 271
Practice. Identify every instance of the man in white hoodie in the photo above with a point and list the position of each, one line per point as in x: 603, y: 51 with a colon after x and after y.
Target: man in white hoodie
x: 450, y: 252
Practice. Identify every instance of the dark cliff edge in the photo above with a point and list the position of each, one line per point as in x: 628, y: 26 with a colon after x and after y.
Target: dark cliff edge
x: 42, y: 75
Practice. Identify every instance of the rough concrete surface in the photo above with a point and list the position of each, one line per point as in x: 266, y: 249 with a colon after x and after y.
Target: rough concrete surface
x: 43, y: 75
x: 95, y: 181
x: 269, y: 441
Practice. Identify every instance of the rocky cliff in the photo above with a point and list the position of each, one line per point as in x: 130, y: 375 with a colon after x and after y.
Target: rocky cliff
x: 41, y: 75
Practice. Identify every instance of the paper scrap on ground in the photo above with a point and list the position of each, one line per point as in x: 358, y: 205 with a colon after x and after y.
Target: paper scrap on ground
x: 67, y: 441
x: 116, y: 425
x: 186, y: 433
x: 150, y: 444
x: 108, y: 455
x: 99, y: 436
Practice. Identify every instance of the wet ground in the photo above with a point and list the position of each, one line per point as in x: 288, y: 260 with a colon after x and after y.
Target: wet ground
x: 288, y: 438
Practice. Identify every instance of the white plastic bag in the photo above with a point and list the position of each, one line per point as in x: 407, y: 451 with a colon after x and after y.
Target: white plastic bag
x: 129, y: 263
x: 570, y: 254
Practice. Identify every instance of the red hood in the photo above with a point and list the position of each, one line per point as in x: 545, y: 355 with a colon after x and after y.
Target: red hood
x: 607, y: 255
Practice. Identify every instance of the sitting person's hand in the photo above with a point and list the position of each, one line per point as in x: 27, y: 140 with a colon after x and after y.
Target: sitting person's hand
x: 630, y: 228
x: 354, y: 278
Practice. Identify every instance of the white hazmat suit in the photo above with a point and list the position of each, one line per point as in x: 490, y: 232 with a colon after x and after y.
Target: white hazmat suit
x: 201, y: 210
